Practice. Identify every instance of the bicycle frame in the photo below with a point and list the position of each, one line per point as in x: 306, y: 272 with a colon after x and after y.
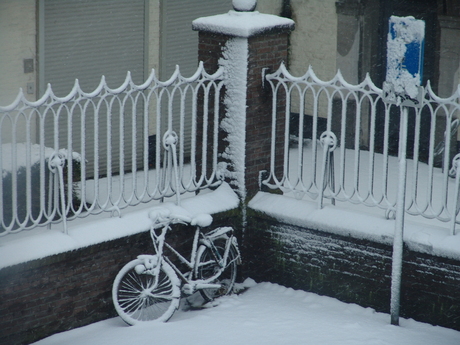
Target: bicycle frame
x: 199, y: 238
x: 150, y: 287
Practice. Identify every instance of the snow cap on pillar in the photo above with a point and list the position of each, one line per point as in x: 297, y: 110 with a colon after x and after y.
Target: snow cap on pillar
x: 243, y: 21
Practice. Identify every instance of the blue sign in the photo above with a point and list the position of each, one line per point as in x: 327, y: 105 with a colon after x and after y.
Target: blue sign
x: 405, y: 47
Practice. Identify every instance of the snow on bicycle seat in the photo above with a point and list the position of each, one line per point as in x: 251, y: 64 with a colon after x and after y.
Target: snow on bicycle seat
x: 202, y: 220
x: 170, y: 211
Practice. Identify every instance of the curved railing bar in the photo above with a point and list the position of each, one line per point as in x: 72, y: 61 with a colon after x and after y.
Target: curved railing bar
x: 367, y: 98
x: 107, y: 103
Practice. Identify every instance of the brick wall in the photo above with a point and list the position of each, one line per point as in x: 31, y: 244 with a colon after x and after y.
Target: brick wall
x: 19, y: 30
x: 352, y: 270
x: 73, y: 289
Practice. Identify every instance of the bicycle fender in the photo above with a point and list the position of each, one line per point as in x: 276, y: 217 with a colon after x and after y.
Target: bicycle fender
x: 218, y: 232
x: 235, y: 245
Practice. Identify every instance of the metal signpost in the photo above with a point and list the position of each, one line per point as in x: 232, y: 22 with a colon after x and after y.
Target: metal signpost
x: 402, y: 87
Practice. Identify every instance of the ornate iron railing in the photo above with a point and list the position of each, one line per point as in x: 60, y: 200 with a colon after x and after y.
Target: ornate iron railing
x: 349, y: 141
x: 129, y: 145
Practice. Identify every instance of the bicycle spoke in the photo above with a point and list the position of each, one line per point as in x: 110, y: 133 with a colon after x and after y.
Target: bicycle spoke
x: 161, y: 296
x: 146, y: 296
x: 132, y: 304
x: 210, y: 270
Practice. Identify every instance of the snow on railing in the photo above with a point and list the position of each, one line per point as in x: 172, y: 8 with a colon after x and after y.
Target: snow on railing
x: 346, y: 146
x: 130, y: 145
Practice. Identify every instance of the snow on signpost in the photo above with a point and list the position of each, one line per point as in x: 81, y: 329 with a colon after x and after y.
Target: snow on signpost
x: 405, y: 46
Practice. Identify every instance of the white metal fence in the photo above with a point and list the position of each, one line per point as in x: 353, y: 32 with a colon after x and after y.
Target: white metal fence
x: 128, y: 145
x: 348, y: 144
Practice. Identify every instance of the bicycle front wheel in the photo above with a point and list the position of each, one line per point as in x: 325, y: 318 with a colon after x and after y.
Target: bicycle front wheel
x: 209, y: 267
x: 138, y: 295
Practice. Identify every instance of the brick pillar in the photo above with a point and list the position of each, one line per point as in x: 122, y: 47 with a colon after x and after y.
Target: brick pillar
x: 245, y: 43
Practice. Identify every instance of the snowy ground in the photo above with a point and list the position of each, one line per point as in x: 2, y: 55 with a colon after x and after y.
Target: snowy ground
x: 265, y: 314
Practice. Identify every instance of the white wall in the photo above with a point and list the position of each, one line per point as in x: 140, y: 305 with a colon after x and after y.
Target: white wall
x: 17, y: 42
x: 314, y: 41
x: 153, y: 52
x: 269, y: 6
x: 18, y: 37
x: 153, y: 49
x: 348, y: 47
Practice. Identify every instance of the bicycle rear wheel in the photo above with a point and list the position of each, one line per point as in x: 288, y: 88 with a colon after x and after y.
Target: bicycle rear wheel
x: 139, y: 296
x: 208, y: 267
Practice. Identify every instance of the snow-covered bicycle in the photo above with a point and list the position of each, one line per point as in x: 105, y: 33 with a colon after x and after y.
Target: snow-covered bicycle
x: 150, y: 287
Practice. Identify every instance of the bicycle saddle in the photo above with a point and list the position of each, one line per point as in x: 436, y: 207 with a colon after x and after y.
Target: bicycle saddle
x: 163, y: 214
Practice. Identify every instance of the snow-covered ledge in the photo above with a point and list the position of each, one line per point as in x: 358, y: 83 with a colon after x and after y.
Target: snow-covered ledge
x: 357, y: 221
x: 43, y: 242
